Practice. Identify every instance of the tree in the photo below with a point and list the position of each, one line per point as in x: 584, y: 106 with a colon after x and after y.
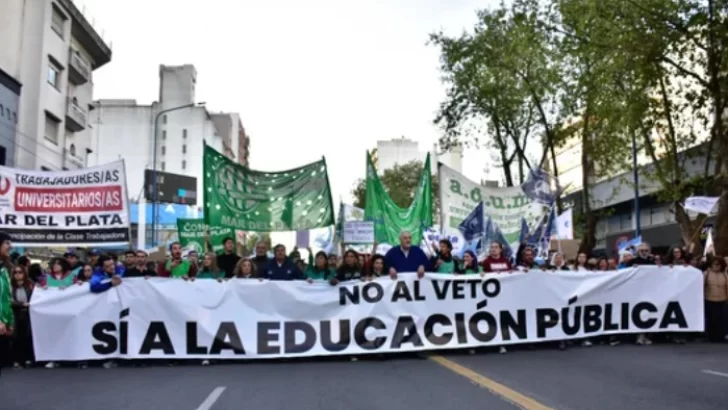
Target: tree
x: 400, y: 183
x: 253, y: 238
x: 671, y: 85
x: 506, y: 74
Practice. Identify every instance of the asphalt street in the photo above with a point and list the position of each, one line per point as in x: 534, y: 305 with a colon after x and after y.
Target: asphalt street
x: 664, y: 377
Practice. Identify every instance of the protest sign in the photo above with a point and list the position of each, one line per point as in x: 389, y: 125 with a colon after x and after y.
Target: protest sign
x: 83, y: 207
x: 359, y: 232
x: 237, y: 319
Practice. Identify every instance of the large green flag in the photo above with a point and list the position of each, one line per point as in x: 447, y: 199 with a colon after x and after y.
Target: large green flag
x: 389, y: 219
x: 249, y: 200
x: 191, y: 234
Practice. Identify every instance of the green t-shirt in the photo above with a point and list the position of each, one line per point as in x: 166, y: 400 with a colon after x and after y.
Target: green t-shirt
x: 52, y: 282
x: 207, y: 274
x: 470, y: 271
x: 183, y: 269
x: 318, y: 274
x: 446, y: 267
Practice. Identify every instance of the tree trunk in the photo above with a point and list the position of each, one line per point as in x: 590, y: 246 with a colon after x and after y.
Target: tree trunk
x: 689, y: 229
x: 588, y: 240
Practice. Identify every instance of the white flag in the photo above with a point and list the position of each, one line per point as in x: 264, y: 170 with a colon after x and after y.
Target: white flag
x: 564, y: 225
x: 701, y: 204
x: 709, y: 243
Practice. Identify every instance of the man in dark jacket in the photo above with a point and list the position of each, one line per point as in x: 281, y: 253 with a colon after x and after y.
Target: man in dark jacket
x: 261, y: 258
x: 281, y: 267
x: 405, y: 257
x: 140, y: 268
x: 227, y: 260
x: 644, y: 256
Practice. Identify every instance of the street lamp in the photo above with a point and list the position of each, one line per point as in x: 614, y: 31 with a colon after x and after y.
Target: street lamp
x: 155, y: 191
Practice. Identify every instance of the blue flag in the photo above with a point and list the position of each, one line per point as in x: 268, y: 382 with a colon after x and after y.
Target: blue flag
x: 493, y: 233
x: 473, y: 225
x: 523, y: 235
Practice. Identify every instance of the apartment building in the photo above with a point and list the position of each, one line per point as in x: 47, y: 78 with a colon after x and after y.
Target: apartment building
x: 125, y: 129
x: 9, y: 106
x: 51, y: 50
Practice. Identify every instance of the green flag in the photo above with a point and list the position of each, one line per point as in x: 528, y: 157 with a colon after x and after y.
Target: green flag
x: 191, y: 233
x: 248, y: 200
x: 389, y: 219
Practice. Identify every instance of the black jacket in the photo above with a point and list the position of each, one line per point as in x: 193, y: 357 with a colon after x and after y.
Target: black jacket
x: 135, y: 272
x: 226, y: 262
x: 345, y: 273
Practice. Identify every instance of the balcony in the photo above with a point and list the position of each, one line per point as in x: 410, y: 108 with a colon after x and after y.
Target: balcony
x: 79, y: 69
x: 75, y: 116
x: 71, y: 161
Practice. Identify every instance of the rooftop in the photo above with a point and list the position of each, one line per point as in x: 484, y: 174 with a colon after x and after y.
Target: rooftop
x: 85, y: 33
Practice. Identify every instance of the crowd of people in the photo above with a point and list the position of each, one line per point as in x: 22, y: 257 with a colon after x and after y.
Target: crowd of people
x: 19, y: 277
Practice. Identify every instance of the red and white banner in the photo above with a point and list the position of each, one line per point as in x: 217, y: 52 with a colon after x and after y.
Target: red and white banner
x: 83, y: 207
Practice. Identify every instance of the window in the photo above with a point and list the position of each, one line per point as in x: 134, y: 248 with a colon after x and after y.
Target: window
x: 184, y: 133
x: 2, y: 155
x: 162, y: 166
x: 164, y: 135
x: 184, y: 164
x: 51, y: 128
x: 45, y: 169
x: 184, y: 149
x: 72, y: 150
x: 65, y: 168
x: 1, y: 110
x: 58, y: 21
x: 164, y: 119
x: 15, y: 118
x: 54, y: 75
x: 7, y: 111
x: 164, y: 150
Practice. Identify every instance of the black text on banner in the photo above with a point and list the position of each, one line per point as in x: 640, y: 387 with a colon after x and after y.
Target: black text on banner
x: 252, y: 319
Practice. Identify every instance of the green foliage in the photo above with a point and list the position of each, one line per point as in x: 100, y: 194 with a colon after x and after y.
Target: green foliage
x: 400, y: 183
x: 502, y: 84
x: 253, y: 238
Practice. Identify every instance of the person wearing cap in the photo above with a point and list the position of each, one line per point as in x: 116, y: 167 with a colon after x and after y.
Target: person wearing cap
x: 7, y: 318
x: 73, y: 262
x: 93, y: 257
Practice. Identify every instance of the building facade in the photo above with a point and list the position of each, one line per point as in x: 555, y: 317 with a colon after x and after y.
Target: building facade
x: 125, y: 129
x: 400, y: 151
x: 614, y: 200
x: 52, y: 50
x: 9, y: 107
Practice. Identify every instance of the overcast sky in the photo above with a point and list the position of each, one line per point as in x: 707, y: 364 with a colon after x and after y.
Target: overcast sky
x: 309, y: 78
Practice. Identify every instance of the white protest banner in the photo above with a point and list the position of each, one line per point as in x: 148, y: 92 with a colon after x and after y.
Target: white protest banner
x: 83, y: 207
x: 459, y: 196
x: 359, y: 232
x: 701, y: 204
x: 247, y: 318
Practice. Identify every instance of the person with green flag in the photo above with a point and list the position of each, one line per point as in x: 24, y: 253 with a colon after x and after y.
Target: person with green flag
x: 176, y: 267
x: 318, y: 266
